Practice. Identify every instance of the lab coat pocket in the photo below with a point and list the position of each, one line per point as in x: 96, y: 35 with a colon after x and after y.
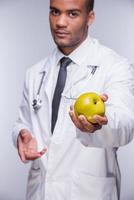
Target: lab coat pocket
x: 34, y: 171
x: 86, y: 187
x: 35, y: 187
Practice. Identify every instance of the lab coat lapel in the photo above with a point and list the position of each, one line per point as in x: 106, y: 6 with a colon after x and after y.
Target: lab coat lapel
x: 44, y: 114
x: 47, y: 82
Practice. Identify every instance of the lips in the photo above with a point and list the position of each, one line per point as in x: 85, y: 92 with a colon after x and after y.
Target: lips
x: 61, y: 33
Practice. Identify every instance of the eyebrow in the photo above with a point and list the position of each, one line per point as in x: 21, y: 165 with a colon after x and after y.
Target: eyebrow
x: 69, y: 10
x: 53, y: 8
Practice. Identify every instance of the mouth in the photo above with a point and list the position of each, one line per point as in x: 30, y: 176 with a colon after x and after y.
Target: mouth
x: 61, y: 34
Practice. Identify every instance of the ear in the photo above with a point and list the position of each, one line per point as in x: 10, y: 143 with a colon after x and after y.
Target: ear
x: 91, y: 17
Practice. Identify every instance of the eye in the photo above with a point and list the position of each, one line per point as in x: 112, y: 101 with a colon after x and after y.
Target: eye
x: 54, y: 12
x: 73, y: 14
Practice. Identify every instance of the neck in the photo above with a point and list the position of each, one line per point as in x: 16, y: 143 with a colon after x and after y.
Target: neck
x: 68, y: 50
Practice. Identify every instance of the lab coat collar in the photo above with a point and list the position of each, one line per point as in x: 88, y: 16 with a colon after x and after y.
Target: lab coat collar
x: 44, y: 67
x: 56, y: 55
x: 78, y: 56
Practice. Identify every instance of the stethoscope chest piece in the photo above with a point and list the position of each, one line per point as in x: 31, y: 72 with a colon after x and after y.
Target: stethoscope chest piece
x: 37, y: 103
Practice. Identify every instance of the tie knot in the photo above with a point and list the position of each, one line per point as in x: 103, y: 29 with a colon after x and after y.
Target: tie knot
x: 65, y: 61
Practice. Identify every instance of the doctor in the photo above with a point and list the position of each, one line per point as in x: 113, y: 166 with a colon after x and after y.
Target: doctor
x: 72, y: 159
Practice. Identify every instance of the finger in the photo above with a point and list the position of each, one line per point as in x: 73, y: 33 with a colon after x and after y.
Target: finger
x: 33, y: 155
x: 100, y: 120
x: 75, y: 120
x: 87, y: 126
x: 104, y: 97
x: 71, y: 107
x: 97, y: 126
x: 43, y: 151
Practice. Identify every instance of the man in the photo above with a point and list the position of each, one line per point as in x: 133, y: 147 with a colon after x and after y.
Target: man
x: 73, y: 159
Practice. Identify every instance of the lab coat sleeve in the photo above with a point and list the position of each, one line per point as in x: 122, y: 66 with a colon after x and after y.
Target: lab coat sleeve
x: 119, y: 87
x: 23, y: 121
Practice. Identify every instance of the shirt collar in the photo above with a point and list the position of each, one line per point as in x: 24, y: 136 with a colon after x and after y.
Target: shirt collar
x: 78, y: 56
x: 58, y: 56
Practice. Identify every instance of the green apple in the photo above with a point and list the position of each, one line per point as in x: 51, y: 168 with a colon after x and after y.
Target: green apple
x: 89, y: 104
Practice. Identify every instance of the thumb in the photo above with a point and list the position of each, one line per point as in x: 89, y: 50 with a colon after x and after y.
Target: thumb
x: 25, y: 136
x: 104, y: 97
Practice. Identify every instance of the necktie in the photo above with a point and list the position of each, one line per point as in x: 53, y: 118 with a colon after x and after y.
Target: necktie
x: 64, y: 62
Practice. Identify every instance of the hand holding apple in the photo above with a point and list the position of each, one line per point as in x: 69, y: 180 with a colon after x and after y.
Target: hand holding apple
x: 83, y: 124
x: 89, y: 104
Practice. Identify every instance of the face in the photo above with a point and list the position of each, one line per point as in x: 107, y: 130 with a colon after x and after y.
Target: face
x: 69, y: 21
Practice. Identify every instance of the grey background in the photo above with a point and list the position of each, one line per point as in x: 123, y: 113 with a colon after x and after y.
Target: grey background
x: 24, y: 40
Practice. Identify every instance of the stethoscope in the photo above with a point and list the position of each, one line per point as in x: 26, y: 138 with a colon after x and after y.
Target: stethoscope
x: 37, y: 102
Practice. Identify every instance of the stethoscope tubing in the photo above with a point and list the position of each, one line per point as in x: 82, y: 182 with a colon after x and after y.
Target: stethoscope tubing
x: 37, y: 102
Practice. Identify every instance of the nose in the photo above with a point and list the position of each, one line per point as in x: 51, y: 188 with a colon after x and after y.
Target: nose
x: 61, y: 21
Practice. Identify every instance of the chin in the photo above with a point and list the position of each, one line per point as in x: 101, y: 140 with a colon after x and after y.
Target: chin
x: 62, y: 44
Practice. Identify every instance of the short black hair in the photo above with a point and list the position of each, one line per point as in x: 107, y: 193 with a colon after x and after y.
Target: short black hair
x: 89, y: 5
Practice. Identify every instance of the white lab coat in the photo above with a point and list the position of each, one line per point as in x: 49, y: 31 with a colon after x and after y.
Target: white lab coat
x: 77, y: 165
